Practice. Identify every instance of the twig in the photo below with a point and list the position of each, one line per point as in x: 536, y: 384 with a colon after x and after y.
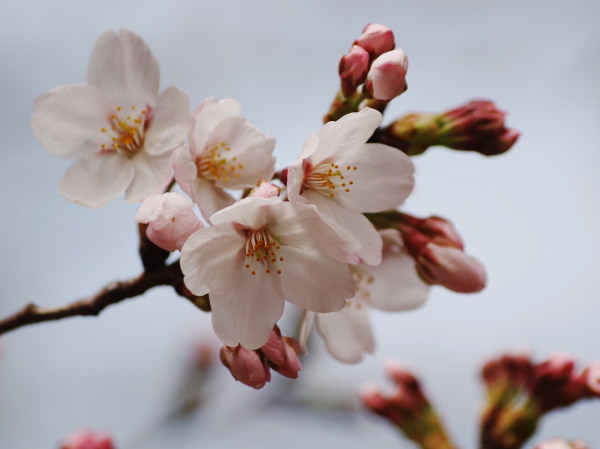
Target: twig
x: 111, y: 294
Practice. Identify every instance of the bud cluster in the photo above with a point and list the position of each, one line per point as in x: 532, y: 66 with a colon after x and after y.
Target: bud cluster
x: 520, y: 392
x: 253, y: 367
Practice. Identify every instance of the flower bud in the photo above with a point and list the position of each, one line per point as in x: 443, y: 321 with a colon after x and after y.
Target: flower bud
x: 592, y: 378
x: 265, y: 190
x: 86, y: 439
x: 246, y: 365
x: 387, y: 77
x: 559, y: 443
x: 477, y: 126
x: 376, y: 39
x: 353, y: 69
x: 291, y: 365
x: 171, y: 220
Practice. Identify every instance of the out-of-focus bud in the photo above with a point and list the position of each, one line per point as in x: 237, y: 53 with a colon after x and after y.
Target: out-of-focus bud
x: 376, y: 39
x: 591, y: 374
x: 387, y: 77
x: 246, y: 365
x: 265, y: 190
x: 86, y: 439
x: 559, y: 443
x: 476, y: 126
x: 437, y: 248
x: 353, y: 69
x: 170, y: 219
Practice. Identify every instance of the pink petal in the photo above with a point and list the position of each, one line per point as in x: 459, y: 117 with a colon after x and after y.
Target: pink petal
x: 123, y: 66
x: 171, y: 122
x: 210, y: 198
x: 383, y: 179
x: 68, y: 120
x: 152, y: 175
x: 208, y: 115
x: 347, y: 333
x: 314, y: 282
x: 96, y: 178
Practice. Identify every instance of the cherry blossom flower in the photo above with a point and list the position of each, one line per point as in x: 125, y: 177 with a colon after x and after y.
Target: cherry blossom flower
x: 118, y: 127
x: 170, y: 219
x: 394, y: 285
x: 344, y: 177
x: 259, y: 252
x: 225, y: 152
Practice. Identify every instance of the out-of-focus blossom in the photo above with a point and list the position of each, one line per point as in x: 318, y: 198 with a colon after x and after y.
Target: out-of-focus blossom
x: 170, y: 219
x: 376, y: 39
x: 559, y: 443
x: 393, y: 285
x: 225, y: 152
x: 120, y: 130
x: 252, y: 367
x: 387, y: 77
x: 438, y: 250
x: 259, y: 252
x: 344, y: 176
x: 592, y: 378
x: 353, y: 69
x: 86, y: 439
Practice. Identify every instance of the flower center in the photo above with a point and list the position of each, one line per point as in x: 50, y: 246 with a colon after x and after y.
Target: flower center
x: 125, y: 133
x: 329, y: 179
x: 214, y: 165
x: 261, y: 252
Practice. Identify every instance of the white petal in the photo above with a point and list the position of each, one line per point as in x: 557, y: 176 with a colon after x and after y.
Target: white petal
x: 313, y: 281
x: 245, y: 308
x: 347, y: 333
x: 96, y: 178
x: 171, y: 122
x: 341, y: 138
x: 251, y: 149
x: 68, y: 120
x: 216, y: 251
x: 208, y: 115
x: 383, y: 179
x: 395, y: 284
x: 123, y: 66
x: 353, y: 222
x: 152, y: 175
x: 295, y: 181
x: 210, y: 198
x: 251, y: 212
x: 184, y: 169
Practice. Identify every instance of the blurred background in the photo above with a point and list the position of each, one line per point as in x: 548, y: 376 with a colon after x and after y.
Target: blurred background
x: 531, y: 215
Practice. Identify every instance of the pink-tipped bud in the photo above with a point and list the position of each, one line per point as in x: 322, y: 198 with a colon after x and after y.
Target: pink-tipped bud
x: 477, y: 126
x: 559, y: 443
x: 353, y: 69
x: 86, y: 439
x: 376, y: 39
x: 372, y: 398
x: 246, y: 365
x: 592, y: 378
x: 452, y: 268
x: 265, y: 190
x: 170, y: 219
x: 274, y: 349
x: 387, y: 77
x: 291, y: 365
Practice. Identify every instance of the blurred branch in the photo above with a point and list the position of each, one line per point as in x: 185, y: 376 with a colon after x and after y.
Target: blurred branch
x: 111, y: 294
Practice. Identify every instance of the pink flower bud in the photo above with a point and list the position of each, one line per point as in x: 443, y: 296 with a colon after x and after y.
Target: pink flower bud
x: 86, y: 439
x: 246, y: 365
x: 559, y: 443
x: 387, y: 77
x: 274, y: 349
x: 592, y: 378
x: 452, y: 268
x: 291, y: 365
x: 353, y: 69
x: 376, y: 39
x: 477, y: 126
x: 171, y: 220
x: 265, y: 190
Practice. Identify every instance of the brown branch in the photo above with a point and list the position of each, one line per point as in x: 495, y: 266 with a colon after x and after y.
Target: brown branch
x: 111, y: 294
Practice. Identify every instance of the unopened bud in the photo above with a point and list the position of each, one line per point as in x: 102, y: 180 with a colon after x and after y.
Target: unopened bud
x: 477, y: 126
x: 376, y: 39
x: 291, y: 365
x: 353, y: 69
x: 246, y: 365
x: 265, y: 190
x: 592, y: 378
x: 170, y: 219
x: 387, y: 77
x: 86, y: 439
x: 559, y: 443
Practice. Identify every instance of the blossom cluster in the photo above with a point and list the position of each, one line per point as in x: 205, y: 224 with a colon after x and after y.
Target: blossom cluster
x: 323, y: 234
